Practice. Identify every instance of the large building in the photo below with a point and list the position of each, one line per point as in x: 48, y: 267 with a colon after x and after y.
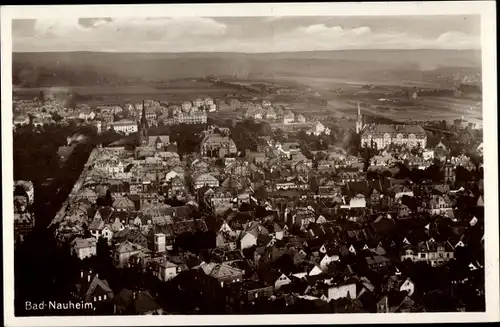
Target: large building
x: 380, y: 136
x: 124, y: 126
x: 217, y: 145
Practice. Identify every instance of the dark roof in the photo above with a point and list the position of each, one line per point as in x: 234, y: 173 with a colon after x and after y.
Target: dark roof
x: 141, y: 304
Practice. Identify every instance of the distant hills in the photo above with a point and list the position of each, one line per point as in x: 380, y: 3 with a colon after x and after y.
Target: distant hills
x: 89, y: 68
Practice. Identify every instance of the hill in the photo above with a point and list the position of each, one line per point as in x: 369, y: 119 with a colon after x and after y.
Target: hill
x: 90, y: 68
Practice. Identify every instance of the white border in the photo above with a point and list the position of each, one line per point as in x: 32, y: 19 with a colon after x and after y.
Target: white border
x: 488, y: 34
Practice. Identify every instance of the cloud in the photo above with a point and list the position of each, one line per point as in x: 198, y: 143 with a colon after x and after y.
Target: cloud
x: 181, y: 34
x: 111, y: 32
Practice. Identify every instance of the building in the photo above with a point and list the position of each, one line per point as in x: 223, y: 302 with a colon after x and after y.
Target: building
x: 28, y: 188
x: 124, y: 126
x: 288, y: 117
x: 430, y: 251
x: 217, y: 145
x: 318, y: 129
x: 21, y: 120
x: 205, y: 180
x: 380, y: 135
x: 449, y: 172
x: 301, y: 119
x: 195, y: 117
x: 186, y: 106
x: 84, y: 248
x: 168, y: 270
x: 123, y: 253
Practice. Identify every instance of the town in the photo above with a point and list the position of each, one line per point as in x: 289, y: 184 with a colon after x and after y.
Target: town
x: 264, y: 211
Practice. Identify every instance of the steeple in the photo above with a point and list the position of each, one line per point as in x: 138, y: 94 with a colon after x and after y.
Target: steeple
x: 143, y: 126
x: 359, y: 121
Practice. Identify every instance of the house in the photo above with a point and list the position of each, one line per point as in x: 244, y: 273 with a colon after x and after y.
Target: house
x: 288, y: 117
x: 341, y: 290
x: 377, y: 262
x: 123, y: 203
x: 159, y: 142
x: 226, y: 274
x: 96, y: 227
x: 217, y: 145
x: 252, y: 290
x: 129, y: 302
x: 289, y: 148
x: 248, y: 239
x: 124, y: 251
x: 84, y: 248
x: 432, y: 252
x: 205, y: 179
x: 107, y: 233
x: 439, y: 204
x: 226, y: 241
x: 327, y: 260
x: 167, y: 270
x: 91, y: 289
x: 395, y: 301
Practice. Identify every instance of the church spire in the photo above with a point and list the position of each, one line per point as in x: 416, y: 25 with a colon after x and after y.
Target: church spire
x: 143, y: 126
x: 359, y: 121
x: 144, y: 121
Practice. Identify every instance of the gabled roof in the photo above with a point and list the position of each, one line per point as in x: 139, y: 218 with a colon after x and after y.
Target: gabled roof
x: 95, y: 288
x: 128, y: 246
x: 142, y: 303
x: 80, y: 243
x: 225, y: 271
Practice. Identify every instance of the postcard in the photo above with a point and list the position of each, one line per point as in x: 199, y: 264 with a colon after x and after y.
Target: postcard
x: 292, y: 163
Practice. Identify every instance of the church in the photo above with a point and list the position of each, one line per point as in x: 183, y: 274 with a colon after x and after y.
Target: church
x: 380, y: 136
x: 148, y: 145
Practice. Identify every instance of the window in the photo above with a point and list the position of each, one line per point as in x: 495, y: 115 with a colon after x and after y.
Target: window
x: 95, y: 299
x: 104, y: 297
x: 422, y: 255
x: 99, y: 298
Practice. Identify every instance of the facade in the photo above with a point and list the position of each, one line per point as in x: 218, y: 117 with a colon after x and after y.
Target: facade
x: 434, y: 253
x: 196, y: 117
x: 381, y: 136
x: 84, y: 248
x: 217, y: 145
x: 288, y: 118
x: 124, y: 126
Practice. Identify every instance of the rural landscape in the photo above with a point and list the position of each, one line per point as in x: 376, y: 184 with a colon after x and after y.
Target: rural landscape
x: 446, y: 82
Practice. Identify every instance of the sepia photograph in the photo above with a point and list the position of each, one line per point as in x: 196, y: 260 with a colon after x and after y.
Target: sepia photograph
x: 287, y: 160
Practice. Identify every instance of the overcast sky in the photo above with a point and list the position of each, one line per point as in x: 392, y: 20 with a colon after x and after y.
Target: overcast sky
x: 248, y: 34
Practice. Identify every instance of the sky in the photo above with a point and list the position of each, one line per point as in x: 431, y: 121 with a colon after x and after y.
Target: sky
x: 246, y: 34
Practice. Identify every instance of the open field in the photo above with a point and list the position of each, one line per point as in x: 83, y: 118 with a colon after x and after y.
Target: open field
x: 337, y: 77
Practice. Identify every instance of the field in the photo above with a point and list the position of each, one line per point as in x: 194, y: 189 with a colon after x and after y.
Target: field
x: 176, y: 90
x: 377, y: 79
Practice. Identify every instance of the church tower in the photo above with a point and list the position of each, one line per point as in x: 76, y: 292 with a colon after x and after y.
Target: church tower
x: 143, y: 126
x: 359, y: 122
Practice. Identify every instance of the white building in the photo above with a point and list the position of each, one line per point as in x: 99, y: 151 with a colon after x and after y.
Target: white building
x: 125, y: 126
